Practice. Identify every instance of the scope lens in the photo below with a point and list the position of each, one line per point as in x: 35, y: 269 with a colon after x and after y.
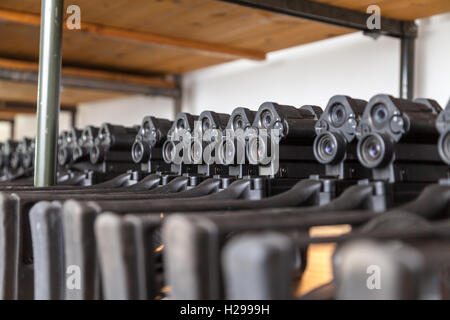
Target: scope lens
x: 327, y: 147
x: 258, y: 151
x: 137, y: 152
x: 338, y: 115
x: 371, y: 151
x: 380, y: 114
x: 445, y: 147
x: 374, y: 150
x: 266, y: 119
x: 169, y: 151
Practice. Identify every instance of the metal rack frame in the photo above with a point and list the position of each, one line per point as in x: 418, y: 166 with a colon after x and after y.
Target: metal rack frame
x: 49, y: 76
x: 406, y: 31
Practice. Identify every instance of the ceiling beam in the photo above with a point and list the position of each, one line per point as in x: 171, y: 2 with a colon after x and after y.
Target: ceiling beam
x: 9, y: 109
x: 8, y: 115
x: 26, y: 71
x: 330, y: 14
x: 157, y: 81
x: 201, y: 47
x: 27, y: 107
x: 17, y: 111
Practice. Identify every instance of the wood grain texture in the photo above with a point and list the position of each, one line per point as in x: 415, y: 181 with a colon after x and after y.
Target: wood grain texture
x: 156, y: 81
x: 207, y: 21
x: 397, y: 9
x: 125, y: 35
x: 212, y: 22
x: 217, y: 23
x: 27, y: 92
x: 319, y: 269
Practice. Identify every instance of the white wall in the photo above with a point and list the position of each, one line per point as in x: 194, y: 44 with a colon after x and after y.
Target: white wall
x: 5, y: 130
x: 125, y: 111
x: 433, y: 58
x: 354, y: 65
x: 26, y: 125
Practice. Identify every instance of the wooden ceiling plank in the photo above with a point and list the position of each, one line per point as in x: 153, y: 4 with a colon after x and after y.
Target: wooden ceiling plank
x: 199, y: 20
x: 25, y: 92
x: 399, y: 9
x: 17, y: 111
x: 151, y: 38
x: 4, y: 116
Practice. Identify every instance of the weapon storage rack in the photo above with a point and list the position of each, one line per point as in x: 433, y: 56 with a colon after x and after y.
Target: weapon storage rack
x: 129, y: 47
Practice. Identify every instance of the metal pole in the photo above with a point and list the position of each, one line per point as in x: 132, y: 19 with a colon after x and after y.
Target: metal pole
x: 12, y: 128
x: 48, y: 92
x: 73, y: 115
x: 407, y: 56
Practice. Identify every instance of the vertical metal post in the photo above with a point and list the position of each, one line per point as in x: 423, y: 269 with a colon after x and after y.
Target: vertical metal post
x: 407, y: 59
x: 48, y: 92
x: 73, y: 117
x: 12, y: 125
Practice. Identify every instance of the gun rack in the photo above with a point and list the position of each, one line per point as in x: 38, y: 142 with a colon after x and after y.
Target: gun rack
x: 129, y: 47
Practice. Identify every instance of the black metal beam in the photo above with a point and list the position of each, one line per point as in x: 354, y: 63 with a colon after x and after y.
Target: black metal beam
x: 15, y: 105
x: 407, y: 67
x: 12, y: 124
x: 88, y: 83
x: 330, y: 14
x: 73, y: 117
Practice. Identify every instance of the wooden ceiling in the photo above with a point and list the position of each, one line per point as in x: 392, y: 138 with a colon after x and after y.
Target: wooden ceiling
x: 26, y: 92
x: 144, y: 37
